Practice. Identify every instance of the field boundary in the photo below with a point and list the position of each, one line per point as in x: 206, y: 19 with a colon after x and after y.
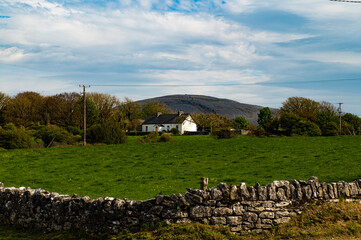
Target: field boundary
x: 241, y: 208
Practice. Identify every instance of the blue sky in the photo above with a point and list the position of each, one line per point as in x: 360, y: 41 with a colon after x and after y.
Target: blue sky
x: 272, y: 49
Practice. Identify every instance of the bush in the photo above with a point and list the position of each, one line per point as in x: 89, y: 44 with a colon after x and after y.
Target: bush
x: 154, y: 137
x: 52, y: 134
x: 306, y: 128
x: 224, y: 133
x: 108, y: 133
x: 74, y: 130
x: 165, y: 138
x: 330, y: 129
x: 260, y: 132
x: 12, y: 137
x: 175, y: 131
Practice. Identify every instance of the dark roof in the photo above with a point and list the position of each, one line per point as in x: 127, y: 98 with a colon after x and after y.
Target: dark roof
x: 165, y: 119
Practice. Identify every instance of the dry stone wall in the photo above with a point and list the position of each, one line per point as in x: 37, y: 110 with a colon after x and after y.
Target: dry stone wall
x: 241, y: 208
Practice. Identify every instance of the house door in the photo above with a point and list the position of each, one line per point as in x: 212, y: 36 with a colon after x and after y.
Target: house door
x: 156, y: 129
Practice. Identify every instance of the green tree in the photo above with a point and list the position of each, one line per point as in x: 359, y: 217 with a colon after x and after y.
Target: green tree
x: 212, y: 121
x: 12, y: 137
x: 106, y: 105
x: 240, y: 123
x: 152, y: 108
x: 4, y: 99
x: 264, y: 117
x: 327, y: 122
x: 25, y: 109
x: 130, y: 114
x: 91, y: 113
x: 306, y: 108
x: 110, y: 132
x: 60, y: 109
x: 287, y: 121
x: 354, y: 122
x: 306, y: 128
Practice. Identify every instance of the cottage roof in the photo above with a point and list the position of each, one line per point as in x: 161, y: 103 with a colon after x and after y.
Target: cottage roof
x: 165, y: 119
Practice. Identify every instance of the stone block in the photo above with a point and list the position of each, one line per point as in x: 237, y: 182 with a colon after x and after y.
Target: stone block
x: 223, y: 211
x: 283, y: 204
x: 234, y: 220
x: 219, y: 220
x: 271, y: 191
x: 216, y: 194
x: 267, y: 221
x: 174, y: 213
x: 264, y: 226
x: 236, y: 229
x: 238, y: 210
x: 281, y: 220
x: 269, y: 215
x: 190, y: 197
x: 233, y: 193
x: 250, y: 217
x: 242, y: 189
x: 200, y: 212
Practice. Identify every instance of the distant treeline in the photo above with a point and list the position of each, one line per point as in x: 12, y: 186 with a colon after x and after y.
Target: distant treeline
x: 32, y: 120
x: 303, y: 116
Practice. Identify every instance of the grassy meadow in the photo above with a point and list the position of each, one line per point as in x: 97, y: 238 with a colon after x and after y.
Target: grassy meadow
x: 142, y: 170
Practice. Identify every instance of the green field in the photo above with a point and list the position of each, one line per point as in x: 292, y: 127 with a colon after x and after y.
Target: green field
x: 143, y: 170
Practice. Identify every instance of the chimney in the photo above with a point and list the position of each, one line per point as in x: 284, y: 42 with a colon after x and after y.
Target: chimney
x: 158, y: 114
x: 180, y: 113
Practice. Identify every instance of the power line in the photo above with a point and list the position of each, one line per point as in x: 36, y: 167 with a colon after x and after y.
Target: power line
x: 227, y: 84
x: 346, y: 1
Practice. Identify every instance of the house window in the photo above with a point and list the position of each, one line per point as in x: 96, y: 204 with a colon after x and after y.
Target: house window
x: 177, y: 127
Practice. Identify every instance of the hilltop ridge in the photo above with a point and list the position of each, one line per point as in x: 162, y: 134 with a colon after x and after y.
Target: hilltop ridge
x: 208, y: 104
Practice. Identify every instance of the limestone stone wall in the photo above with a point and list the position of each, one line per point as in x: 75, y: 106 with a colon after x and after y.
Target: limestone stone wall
x: 241, y: 208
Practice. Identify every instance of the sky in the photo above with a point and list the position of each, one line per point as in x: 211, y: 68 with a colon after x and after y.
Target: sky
x: 256, y: 52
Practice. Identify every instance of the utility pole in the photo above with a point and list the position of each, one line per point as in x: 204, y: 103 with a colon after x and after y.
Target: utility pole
x: 84, y: 119
x: 340, y: 114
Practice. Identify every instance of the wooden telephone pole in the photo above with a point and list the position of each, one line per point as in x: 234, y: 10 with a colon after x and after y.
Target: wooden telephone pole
x: 84, y: 116
x: 340, y: 114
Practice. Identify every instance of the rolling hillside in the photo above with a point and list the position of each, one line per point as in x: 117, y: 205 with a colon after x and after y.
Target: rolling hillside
x: 207, y: 104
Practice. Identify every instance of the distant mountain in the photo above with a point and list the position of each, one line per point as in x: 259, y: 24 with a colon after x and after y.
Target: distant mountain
x: 206, y: 104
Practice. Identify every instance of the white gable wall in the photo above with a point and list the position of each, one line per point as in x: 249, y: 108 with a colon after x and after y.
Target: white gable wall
x: 188, y: 125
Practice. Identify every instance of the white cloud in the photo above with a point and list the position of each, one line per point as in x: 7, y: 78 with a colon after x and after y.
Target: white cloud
x: 144, y: 41
x: 11, y: 55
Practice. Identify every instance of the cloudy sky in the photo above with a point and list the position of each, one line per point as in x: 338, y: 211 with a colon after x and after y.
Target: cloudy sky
x: 258, y: 52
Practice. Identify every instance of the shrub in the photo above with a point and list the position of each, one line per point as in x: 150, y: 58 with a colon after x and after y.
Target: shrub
x: 154, y: 137
x: 240, y: 123
x: 224, y: 133
x: 260, y: 132
x: 330, y: 129
x: 165, y: 138
x: 175, y: 131
x: 307, y: 128
x: 12, y: 137
x: 74, y: 130
x: 151, y: 137
x: 108, y: 132
x: 52, y: 134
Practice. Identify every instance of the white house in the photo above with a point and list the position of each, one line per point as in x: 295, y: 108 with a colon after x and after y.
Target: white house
x: 165, y: 122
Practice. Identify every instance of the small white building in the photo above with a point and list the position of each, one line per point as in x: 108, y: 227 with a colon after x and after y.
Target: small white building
x: 165, y: 122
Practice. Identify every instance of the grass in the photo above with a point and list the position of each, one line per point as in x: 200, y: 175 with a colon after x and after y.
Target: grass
x: 338, y: 221
x: 143, y: 170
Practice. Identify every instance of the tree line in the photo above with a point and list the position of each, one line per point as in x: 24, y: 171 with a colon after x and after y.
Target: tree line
x: 32, y: 120
x: 304, y: 116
